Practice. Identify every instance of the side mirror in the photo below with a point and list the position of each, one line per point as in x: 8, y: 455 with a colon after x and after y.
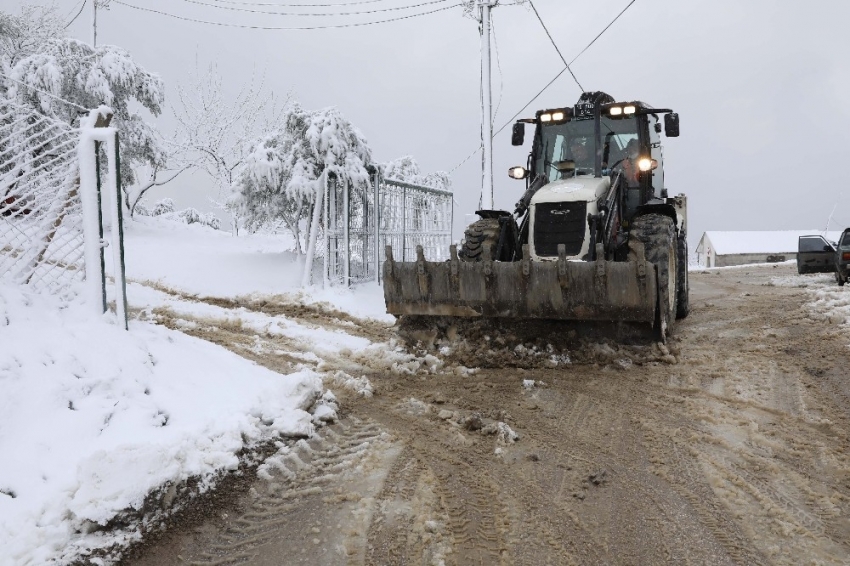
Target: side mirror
x: 518, y: 134
x: 671, y: 125
x: 518, y: 172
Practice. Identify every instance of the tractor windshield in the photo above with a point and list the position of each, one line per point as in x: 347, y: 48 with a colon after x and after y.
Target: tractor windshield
x: 575, y: 140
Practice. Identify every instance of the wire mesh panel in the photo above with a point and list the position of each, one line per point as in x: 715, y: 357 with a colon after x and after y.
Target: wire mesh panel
x: 406, y: 216
x: 415, y: 216
x: 41, y: 236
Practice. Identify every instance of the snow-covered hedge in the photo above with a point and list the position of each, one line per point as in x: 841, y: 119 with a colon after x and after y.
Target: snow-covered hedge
x: 165, y: 208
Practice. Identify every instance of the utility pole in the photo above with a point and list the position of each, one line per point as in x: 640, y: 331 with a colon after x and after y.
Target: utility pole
x: 94, y: 23
x: 94, y: 6
x: 487, y: 106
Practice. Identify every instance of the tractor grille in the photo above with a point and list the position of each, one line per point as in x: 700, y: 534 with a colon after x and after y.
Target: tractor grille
x: 559, y: 223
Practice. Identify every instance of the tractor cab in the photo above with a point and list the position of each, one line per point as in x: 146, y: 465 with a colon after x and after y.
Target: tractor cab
x: 599, y: 137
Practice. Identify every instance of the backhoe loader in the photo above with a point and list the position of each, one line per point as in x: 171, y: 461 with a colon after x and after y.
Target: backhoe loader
x: 595, y: 236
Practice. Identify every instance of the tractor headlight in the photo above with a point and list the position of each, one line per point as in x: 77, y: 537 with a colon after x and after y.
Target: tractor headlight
x: 517, y: 172
x: 615, y: 111
x: 557, y: 116
x: 546, y: 117
x: 647, y: 164
x: 628, y: 110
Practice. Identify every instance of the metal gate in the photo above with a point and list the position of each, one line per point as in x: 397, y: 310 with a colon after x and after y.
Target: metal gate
x: 406, y: 216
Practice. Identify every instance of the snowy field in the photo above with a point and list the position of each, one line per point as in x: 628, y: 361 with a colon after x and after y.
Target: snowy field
x: 96, y: 423
x: 93, y: 419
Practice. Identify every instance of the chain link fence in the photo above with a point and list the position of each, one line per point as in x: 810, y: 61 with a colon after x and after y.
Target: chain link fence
x: 406, y: 216
x: 41, y: 235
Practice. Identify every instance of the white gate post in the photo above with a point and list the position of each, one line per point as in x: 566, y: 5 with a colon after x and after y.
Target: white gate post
x: 92, y: 133
x: 377, y: 207
x: 346, y: 240
x: 314, y: 234
x: 91, y: 221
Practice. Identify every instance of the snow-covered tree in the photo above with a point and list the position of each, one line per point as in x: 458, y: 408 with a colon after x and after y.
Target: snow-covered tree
x: 22, y: 35
x: 44, y: 66
x: 284, y: 170
x: 90, y: 77
x: 407, y: 170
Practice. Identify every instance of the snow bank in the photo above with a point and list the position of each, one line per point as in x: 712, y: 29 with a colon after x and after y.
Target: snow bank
x: 93, y: 418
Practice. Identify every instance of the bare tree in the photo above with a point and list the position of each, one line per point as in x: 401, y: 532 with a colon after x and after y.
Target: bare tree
x: 214, y: 132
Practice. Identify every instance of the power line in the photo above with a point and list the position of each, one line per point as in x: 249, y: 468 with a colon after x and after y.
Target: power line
x: 536, y: 13
x: 328, y: 14
x: 603, y: 31
x: 285, y: 5
x: 536, y: 96
x: 276, y: 28
x: 77, y: 16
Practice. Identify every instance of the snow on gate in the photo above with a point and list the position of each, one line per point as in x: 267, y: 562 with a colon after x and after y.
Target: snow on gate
x: 407, y: 216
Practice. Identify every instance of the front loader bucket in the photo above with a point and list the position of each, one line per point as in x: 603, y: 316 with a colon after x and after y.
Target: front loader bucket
x: 561, y: 289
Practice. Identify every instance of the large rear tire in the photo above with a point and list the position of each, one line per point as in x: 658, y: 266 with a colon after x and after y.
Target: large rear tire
x: 683, y: 306
x: 656, y: 234
x: 480, y: 235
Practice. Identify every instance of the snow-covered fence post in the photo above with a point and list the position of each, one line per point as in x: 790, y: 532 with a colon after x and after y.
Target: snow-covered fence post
x: 327, y: 211
x: 314, y: 232
x: 90, y: 197
x: 346, y: 233
x: 94, y: 131
x: 376, y: 212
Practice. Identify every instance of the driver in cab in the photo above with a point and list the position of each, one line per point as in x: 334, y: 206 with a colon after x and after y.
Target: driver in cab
x: 580, y: 154
x: 629, y: 164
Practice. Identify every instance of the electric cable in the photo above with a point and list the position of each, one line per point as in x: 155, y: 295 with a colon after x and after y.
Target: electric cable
x: 77, y: 16
x: 536, y: 13
x: 328, y: 14
x: 603, y: 31
x: 285, y: 5
x: 277, y: 28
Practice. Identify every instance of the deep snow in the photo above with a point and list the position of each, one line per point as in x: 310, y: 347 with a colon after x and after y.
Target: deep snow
x: 92, y: 418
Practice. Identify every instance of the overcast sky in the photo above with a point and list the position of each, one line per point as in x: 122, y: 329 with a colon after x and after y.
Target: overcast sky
x: 760, y: 87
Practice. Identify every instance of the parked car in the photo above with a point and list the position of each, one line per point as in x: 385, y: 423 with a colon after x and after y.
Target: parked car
x: 815, y: 254
x: 842, y: 258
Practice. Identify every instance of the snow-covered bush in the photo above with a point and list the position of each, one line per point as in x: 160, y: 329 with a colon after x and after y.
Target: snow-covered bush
x: 284, y: 170
x: 164, y: 206
x: 165, y: 209
x: 193, y: 216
